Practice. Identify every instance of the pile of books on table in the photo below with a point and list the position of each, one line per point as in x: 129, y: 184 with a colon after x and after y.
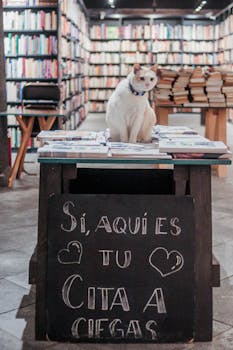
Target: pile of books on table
x: 163, y: 91
x: 184, y: 142
x: 167, y: 142
x: 196, y: 84
x: 227, y: 88
x: 180, y: 88
x: 214, y: 84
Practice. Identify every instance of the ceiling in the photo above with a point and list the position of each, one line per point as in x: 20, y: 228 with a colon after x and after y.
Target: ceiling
x: 158, y: 8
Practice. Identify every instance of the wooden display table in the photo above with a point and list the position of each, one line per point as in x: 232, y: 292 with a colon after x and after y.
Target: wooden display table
x: 215, y: 124
x: 72, y: 193
x: 26, y: 118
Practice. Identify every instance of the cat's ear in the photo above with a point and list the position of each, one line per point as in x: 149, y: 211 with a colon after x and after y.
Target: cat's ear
x: 136, y: 68
x: 154, y: 68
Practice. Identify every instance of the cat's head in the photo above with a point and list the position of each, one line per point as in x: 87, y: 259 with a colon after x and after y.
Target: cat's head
x: 143, y: 78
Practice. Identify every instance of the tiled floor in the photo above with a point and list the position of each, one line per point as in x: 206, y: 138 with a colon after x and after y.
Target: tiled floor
x: 18, y: 230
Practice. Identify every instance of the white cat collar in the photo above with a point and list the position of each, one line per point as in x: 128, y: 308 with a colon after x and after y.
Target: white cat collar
x: 136, y: 93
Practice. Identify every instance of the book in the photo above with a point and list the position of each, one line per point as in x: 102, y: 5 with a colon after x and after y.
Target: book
x: 137, y: 150
x: 192, y: 146
x: 70, y: 149
x: 65, y: 135
x: 170, y: 129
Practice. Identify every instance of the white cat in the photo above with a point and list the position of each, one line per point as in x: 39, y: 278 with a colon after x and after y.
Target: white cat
x: 129, y: 115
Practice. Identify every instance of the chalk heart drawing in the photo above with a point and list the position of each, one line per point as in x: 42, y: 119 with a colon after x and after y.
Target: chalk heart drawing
x: 72, y: 254
x: 166, y: 263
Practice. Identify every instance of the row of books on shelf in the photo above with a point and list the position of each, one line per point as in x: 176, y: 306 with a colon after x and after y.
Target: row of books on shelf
x: 206, y: 88
x: 71, y: 49
x: 116, y: 58
x: 68, y: 28
x: 76, y: 117
x: 29, y: 20
x: 71, y: 68
x: 225, y: 27
x: 103, y: 82
x: 161, y: 58
x: 99, y: 94
x: 28, y: 2
x: 31, y: 68
x: 30, y: 45
x: 97, y: 106
x: 74, y: 13
x: 71, y: 87
x: 75, y: 102
x: 105, y: 57
x: 105, y: 69
x: 167, y: 142
x: 226, y: 57
x: 154, y: 31
x: 225, y: 43
x: 155, y: 46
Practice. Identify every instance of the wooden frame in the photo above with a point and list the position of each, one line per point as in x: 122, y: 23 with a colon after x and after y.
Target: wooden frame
x: 194, y: 180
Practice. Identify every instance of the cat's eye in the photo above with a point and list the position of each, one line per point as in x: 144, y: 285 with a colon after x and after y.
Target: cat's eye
x: 142, y: 78
x: 151, y: 79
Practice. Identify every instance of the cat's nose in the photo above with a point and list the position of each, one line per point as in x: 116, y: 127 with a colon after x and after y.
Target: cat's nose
x: 147, y: 85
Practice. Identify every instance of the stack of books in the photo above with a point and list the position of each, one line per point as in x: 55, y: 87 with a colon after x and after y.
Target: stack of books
x: 180, y: 88
x: 184, y: 142
x: 163, y: 91
x: 214, y: 84
x: 227, y: 88
x: 197, y: 84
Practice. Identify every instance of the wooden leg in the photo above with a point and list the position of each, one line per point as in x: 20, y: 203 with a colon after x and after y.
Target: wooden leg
x: 26, y: 134
x: 210, y: 123
x: 21, y: 165
x: 50, y: 183
x: 162, y: 115
x: 200, y: 189
x: 46, y: 124
x: 221, y: 135
x: 216, y: 123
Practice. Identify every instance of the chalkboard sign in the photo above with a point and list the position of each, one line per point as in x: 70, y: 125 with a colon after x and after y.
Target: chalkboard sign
x: 120, y: 268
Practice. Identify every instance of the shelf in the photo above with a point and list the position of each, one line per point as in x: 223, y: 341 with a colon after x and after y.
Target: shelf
x: 29, y: 32
x: 47, y: 56
x: 33, y: 79
x: 33, y: 8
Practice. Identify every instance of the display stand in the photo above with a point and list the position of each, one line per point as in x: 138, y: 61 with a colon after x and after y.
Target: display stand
x: 187, y: 178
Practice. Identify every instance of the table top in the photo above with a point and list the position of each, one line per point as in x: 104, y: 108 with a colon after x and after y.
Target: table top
x: 129, y: 161
x: 34, y: 112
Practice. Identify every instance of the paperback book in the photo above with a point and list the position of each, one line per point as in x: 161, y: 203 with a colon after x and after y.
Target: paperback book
x: 191, y: 145
x: 69, y: 149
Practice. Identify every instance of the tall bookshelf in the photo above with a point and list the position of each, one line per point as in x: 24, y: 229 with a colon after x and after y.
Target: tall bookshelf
x: 47, y: 41
x: 117, y: 45
x: 74, y: 62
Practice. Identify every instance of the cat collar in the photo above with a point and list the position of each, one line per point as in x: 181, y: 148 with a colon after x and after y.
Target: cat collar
x: 136, y: 93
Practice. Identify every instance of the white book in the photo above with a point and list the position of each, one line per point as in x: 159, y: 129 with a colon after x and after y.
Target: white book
x: 190, y: 145
x: 62, y: 135
x: 67, y: 149
x: 170, y: 129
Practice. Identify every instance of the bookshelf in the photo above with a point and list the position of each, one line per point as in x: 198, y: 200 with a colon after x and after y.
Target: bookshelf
x: 47, y: 41
x: 31, y: 51
x: 118, y: 44
x: 74, y: 58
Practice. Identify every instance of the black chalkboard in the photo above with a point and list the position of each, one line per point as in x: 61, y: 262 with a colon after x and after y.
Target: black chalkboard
x: 120, y: 268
